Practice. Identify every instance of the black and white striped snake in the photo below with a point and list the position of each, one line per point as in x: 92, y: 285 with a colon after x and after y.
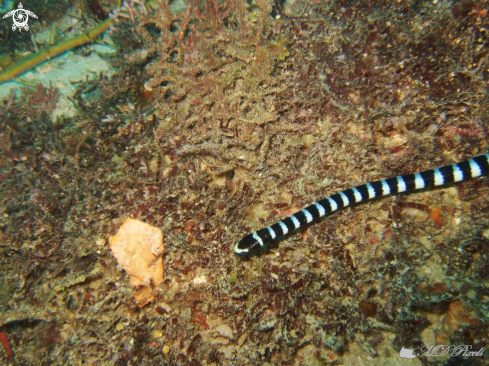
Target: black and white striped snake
x: 472, y: 168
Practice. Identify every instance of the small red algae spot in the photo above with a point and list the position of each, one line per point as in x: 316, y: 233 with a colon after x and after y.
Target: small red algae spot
x: 441, y: 339
x: 272, y: 215
x: 90, y: 298
x: 331, y: 356
x: 188, y: 226
x: 160, y: 310
x: 290, y: 211
x: 286, y: 213
x: 6, y: 344
x: 388, y: 234
x: 438, y: 287
x: 435, y: 216
x: 457, y: 316
x: 200, y: 320
x: 373, y: 240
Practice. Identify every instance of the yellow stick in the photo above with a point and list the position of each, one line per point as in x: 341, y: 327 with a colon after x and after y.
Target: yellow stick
x: 33, y: 60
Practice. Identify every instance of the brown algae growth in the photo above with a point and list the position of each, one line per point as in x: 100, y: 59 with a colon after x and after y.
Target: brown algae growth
x: 257, y: 110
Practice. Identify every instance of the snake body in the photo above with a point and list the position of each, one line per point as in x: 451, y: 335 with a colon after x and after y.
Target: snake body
x: 459, y: 172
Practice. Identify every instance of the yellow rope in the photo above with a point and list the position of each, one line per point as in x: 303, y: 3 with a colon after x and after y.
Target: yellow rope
x: 33, y: 60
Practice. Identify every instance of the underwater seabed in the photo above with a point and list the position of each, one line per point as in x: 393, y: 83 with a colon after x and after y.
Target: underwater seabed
x: 130, y: 166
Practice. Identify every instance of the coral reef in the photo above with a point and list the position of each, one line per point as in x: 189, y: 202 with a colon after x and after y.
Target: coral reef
x: 258, y: 109
x: 138, y: 248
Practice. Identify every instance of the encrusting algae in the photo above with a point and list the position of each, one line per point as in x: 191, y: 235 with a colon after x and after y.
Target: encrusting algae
x: 138, y: 246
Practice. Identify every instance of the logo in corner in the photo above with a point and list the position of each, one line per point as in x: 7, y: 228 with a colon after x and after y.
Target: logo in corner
x: 20, y: 17
x: 406, y: 353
